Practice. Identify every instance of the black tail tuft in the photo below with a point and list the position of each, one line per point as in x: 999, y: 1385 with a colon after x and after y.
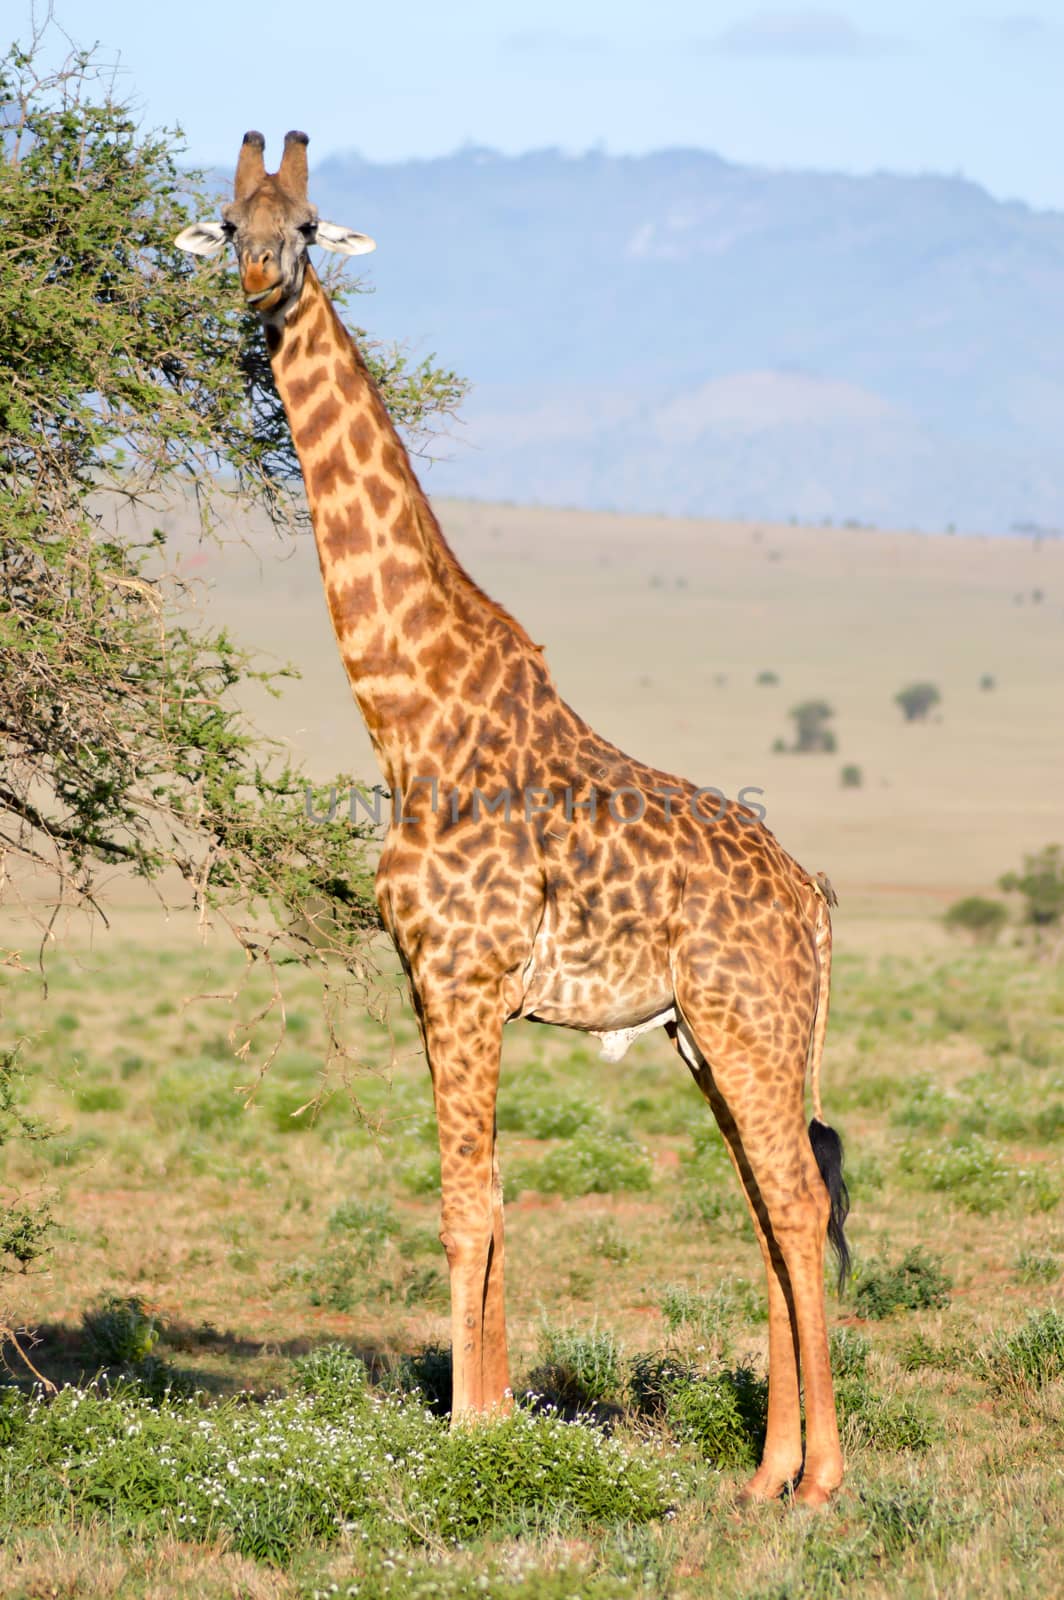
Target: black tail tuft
x: 827, y: 1147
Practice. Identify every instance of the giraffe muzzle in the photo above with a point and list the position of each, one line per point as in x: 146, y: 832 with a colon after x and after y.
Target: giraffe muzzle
x: 273, y: 294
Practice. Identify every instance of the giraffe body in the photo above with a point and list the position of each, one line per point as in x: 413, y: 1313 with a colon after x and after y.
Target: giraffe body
x: 602, y: 894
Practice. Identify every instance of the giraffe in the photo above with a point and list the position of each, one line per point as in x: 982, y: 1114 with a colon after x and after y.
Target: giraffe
x: 532, y: 869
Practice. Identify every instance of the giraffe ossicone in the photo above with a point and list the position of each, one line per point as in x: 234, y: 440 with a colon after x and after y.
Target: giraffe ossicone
x: 608, y: 925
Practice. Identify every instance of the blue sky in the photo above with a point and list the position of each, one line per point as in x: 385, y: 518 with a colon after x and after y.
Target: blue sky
x: 955, y: 86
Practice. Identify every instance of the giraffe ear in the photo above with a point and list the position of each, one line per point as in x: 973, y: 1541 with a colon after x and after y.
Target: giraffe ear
x: 201, y: 238
x: 331, y: 236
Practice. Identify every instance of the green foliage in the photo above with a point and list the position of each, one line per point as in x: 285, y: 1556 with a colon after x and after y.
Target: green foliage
x: 1041, y: 885
x: 883, y: 1421
x: 334, y: 1376
x: 914, y: 1283
x: 850, y: 1351
x: 712, y: 1315
x: 591, y: 1162
x: 577, y: 1369
x: 917, y: 700
x: 851, y: 776
x: 768, y: 678
x: 121, y: 1331
x: 1032, y: 1267
x: 1028, y: 1359
x: 25, y: 1224
x: 541, y: 1111
x: 980, y: 1178
x: 722, y: 1413
x: 371, y: 1222
x: 100, y: 1097
x: 128, y: 373
x: 272, y: 1479
x: 889, y: 1521
x: 978, y: 916
x: 428, y: 1373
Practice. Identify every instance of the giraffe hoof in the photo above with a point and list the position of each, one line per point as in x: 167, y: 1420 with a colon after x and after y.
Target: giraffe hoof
x: 766, y: 1485
x: 814, y: 1496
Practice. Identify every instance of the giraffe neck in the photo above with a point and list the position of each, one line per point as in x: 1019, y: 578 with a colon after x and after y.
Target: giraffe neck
x: 412, y: 626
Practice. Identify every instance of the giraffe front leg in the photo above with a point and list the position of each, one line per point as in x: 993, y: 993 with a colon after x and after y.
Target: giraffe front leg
x: 463, y: 1038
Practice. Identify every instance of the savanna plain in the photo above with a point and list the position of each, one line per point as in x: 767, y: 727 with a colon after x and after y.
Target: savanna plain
x: 244, y: 1308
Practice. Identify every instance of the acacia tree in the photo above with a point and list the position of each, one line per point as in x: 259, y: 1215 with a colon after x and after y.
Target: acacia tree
x: 129, y: 374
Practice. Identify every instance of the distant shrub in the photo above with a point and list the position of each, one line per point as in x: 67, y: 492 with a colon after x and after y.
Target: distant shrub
x: 811, y: 732
x: 769, y: 679
x: 851, y: 776
x: 915, y: 1283
x: 987, y: 682
x: 917, y: 700
x: 983, y: 919
x: 1041, y: 884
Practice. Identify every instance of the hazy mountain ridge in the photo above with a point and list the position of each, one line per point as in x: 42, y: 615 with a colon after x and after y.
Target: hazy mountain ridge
x: 676, y: 333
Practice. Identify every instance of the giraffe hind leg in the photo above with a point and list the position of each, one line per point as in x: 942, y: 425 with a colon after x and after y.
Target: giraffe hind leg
x: 781, y: 1462
x: 757, y: 1095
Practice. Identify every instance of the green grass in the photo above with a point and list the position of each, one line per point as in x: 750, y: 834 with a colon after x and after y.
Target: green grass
x: 914, y: 1283
x: 1031, y: 1357
x: 269, y: 1290
x: 591, y: 1162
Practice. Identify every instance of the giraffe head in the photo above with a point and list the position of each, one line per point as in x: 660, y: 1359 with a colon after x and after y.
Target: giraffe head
x: 271, y: 224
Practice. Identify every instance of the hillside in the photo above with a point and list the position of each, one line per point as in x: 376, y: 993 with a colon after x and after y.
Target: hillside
x: 676, y: 333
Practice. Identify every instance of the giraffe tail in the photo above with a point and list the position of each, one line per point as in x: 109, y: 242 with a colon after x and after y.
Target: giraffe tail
x: 827, y: 1146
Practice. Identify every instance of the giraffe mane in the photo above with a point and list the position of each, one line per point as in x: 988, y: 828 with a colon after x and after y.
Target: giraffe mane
x: 451, y: 567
